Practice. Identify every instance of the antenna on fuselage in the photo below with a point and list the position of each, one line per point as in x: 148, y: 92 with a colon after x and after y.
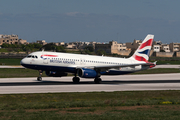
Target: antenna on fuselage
x: 42, y: 51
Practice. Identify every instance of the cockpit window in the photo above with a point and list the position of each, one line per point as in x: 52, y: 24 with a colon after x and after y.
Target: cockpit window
x: 29, y: 56
x: 32, y: 56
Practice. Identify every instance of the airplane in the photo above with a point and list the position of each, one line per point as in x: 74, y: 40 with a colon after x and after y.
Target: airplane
x: 57, y: 64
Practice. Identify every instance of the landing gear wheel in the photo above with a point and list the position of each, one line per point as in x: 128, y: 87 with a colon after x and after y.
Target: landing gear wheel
x: 40, y: 74
x: 39, y: 78
x: 97, y: 80
x: 76, y: 80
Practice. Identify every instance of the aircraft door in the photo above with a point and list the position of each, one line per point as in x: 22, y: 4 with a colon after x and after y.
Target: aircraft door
x: 84, y: 61
x: 45, y: 60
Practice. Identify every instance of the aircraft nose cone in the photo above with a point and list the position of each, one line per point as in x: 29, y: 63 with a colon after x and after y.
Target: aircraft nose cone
x: 22, y: 62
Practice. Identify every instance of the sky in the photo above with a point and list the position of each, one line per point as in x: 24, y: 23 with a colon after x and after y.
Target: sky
x: 91, y: 20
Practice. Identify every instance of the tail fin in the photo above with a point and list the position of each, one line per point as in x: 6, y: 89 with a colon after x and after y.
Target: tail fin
x: 143, y: 51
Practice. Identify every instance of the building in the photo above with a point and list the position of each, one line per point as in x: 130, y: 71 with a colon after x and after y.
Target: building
x: 93, y: 44
x: 158, y: 42
x: 113, y: 48
x: 165, y: 47
x: 134, y: 45
x: 21, y: 41
x: 156, y: 48
x: 70, y: 46
x: 174, y: 47
x: 9, y: 39
x: 42, y: 42
x: 60, y: 44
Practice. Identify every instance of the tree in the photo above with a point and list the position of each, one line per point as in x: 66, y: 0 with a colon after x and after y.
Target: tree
x: 37, y: 45
x: 5, y: 45
x: 100, y: 52
x: 60, y: 49
x: 89, y: 48
x: 50, y: 46
x: 87, y: 51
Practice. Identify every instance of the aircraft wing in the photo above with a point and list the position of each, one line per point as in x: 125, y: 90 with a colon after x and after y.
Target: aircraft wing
x: 118, y: 66
x: 106, y: 67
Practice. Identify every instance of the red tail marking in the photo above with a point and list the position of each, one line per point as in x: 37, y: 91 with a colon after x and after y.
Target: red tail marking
x: 139, y: 58
x: 147, y: 43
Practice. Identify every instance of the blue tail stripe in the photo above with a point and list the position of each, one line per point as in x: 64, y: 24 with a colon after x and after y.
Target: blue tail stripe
x: 145, y: 52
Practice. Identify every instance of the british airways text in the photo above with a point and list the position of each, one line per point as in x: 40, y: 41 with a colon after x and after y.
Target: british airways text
x: 60, y: 61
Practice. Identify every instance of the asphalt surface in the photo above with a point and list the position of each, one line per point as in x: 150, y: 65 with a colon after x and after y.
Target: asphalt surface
x: 109, y: 83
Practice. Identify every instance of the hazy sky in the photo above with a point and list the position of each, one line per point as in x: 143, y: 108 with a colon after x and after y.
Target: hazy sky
x: 91, y: 20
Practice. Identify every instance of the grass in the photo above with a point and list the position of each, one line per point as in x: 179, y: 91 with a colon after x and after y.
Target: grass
x: 92, y: 105
x: 168, y: 62
x: 158, y: 71
x: 3, y: 50
x: 10, y: 61
x: 102, y: 113
x: 18, y: 72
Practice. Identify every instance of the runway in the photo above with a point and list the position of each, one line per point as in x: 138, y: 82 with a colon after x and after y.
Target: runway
x: 109, y: 84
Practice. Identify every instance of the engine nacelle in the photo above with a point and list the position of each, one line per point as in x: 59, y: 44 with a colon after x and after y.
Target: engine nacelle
x: 87, y: 73
x: 55, y: 74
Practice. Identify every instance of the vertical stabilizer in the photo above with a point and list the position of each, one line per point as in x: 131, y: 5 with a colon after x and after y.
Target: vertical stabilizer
x: 143, y: 51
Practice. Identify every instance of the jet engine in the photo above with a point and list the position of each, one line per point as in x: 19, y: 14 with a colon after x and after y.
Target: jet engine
x: 87, y: 73
x: 55, y: 74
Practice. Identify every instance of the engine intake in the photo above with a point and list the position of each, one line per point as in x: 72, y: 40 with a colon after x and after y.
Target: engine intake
x: 87, y: 73
x: 55, y: 74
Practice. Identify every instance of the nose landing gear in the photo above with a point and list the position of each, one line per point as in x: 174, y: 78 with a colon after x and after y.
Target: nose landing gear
x: 40, y: 74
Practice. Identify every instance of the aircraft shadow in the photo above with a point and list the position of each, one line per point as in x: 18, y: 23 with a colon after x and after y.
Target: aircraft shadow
x: 115, y: 82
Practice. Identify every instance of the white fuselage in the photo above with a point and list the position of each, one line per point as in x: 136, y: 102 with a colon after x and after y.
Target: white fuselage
x: 66, y: 62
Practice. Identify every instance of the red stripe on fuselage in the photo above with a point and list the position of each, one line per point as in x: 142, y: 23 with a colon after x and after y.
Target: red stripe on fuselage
x: 147, y: 43
x: 49, y: 55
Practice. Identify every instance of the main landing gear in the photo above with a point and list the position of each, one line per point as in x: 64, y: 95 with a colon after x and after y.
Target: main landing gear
x: 76, y: 79
x: 97, y: 80
x: 40, y: 74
